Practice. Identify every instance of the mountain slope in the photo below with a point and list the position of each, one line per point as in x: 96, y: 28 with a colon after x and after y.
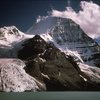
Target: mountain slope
x: 58, y: 71
x: 10, y: 41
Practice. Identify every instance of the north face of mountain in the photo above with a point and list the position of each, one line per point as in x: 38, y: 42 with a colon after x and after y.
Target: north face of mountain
x: 67, y: 35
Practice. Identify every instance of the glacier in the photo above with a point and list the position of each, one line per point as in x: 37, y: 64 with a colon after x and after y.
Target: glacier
x: 13, y: 77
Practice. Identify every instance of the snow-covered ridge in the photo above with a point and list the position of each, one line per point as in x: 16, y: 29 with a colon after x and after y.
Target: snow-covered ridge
x: 13, y: 77
x: 10, y: 35
x: 11, y: 40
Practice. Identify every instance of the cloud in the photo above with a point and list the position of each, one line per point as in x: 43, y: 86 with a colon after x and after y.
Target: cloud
x: 39, y: 18
x: 88, y: 17
x: 69, y: 3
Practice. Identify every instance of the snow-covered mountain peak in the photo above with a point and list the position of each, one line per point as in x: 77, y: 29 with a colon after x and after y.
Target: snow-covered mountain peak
x: 11, y: 30
x: 59, y: 28
x: 11, y: 35
x: 67, y: 36
x: 47, y: 24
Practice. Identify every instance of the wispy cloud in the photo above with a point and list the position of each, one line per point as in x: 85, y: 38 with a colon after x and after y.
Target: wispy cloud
x: 69, y: 3
x: 88, y: 17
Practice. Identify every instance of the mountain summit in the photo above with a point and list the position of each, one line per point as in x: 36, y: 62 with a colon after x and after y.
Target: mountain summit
x: 10, y: 41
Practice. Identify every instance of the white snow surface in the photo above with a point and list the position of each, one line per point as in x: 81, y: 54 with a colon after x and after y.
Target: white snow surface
x: 13, y: 77
x: 93, y: 73
x: 11, y: 35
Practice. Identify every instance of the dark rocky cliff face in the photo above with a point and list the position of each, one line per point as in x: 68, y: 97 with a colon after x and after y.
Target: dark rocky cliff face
x: 32, y: 47
x: 51, y: 66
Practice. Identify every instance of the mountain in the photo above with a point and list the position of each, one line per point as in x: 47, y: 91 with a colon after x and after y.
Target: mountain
x: 68, y: 36
x: 56, y: 56
x: 13, y: 77
x: 58, y: 71
x: 10, y: 35
x: 10, y: 41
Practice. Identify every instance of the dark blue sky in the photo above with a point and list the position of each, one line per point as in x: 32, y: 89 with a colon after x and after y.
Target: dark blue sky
x: 22, y: 13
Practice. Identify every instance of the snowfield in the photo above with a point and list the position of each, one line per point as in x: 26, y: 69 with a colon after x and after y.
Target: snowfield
x: 13, y: 77
x: 10, y: 36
